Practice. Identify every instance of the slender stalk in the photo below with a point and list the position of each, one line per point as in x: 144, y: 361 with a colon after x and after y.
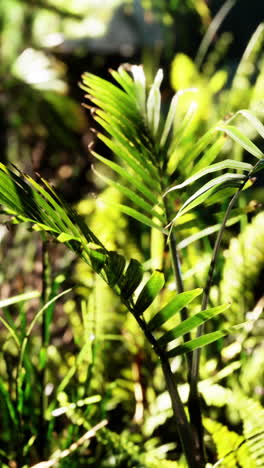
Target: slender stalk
x: 211, y: 31
x: 188, y: 442
x: 176, y: 266
x: 195, y: 426
x: 46, y: 289
x: 190, y: 447
x: 194, y: 399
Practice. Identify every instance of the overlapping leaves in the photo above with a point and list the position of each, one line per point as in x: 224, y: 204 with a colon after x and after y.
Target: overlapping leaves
x: 147, y: 148
x: 144, y: 147
x: 38, y: 204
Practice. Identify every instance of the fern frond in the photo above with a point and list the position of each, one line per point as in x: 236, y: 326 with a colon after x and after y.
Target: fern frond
x: 243, y: 267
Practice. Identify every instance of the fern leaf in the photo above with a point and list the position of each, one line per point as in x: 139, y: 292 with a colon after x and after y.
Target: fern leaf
x: 244, y: 262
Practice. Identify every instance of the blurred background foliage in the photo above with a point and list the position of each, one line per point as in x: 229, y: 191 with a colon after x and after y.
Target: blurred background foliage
x: 87, y: 362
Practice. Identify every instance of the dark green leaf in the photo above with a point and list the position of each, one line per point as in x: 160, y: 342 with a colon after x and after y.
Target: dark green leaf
x: 114, y: 267
x: 131, y: 279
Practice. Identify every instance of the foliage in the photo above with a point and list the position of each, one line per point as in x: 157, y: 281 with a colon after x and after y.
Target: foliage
x: 243, y: 267
x: 79, y: 385
x: 145, y: 147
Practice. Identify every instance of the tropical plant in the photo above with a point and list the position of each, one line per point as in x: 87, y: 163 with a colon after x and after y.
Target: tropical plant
x: 147, y: 166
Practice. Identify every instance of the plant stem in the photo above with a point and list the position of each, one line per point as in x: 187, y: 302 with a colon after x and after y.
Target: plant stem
x: 190, y: 448
x: 46, y: 287
x: 211, y: 31
x: 194, y: 399
x: 195, y: 426
x: 176, y: 266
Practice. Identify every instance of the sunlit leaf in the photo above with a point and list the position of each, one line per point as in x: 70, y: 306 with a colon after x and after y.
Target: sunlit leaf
x: 242, y: 139
x: 203, y: 193
x: 149, y: 292
x: 200, y: 342
x: 173, y: 307
x: 191, y: 323
x: 227, y: 164
x: 134, y: 180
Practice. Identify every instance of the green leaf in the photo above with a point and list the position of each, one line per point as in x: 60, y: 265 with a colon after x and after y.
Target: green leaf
x: 114, y: 267
x: 240, y: 138
x: 173, y: 307
x: 125, y: 80
x: 131, y: 279
x: 200, y: 342
x: 203, y: 193
x: 259, y: 127
x: 136, y: 199
x: 195, y: 149
x: 149, y: 292
x: 140, y: 85
x: 206, y: 232
x: 154, y: 102
x: 169, y: 119
x: 128, y: 136
x: 123, y: 153
x: 11, y: 330
x: 139, y: 217
x: 108, y: 92
x: 227, y: 164
x: 134, y: 180
x: 210, y: 155
x: 64, y: 237
x: 34, y: 321
x: 19, y: 298
x: 259, y: 167
x: 7, y: 399
x: 171, y: 114
x: 192, y: 322
x: 185, y: 126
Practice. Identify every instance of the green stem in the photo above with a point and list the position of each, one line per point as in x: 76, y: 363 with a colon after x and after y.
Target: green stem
x: 46, y: 289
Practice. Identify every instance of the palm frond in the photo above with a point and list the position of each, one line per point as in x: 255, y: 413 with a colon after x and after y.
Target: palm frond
x: 148, y: 148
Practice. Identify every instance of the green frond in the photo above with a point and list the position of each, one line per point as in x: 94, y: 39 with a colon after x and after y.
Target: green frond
x: 246, y: 450
x: 244, y: 263
x: 209, y: 189
x: 149, y: 149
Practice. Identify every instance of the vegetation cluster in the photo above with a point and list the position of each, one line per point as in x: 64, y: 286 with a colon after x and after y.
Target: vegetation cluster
x: 131, y: 279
